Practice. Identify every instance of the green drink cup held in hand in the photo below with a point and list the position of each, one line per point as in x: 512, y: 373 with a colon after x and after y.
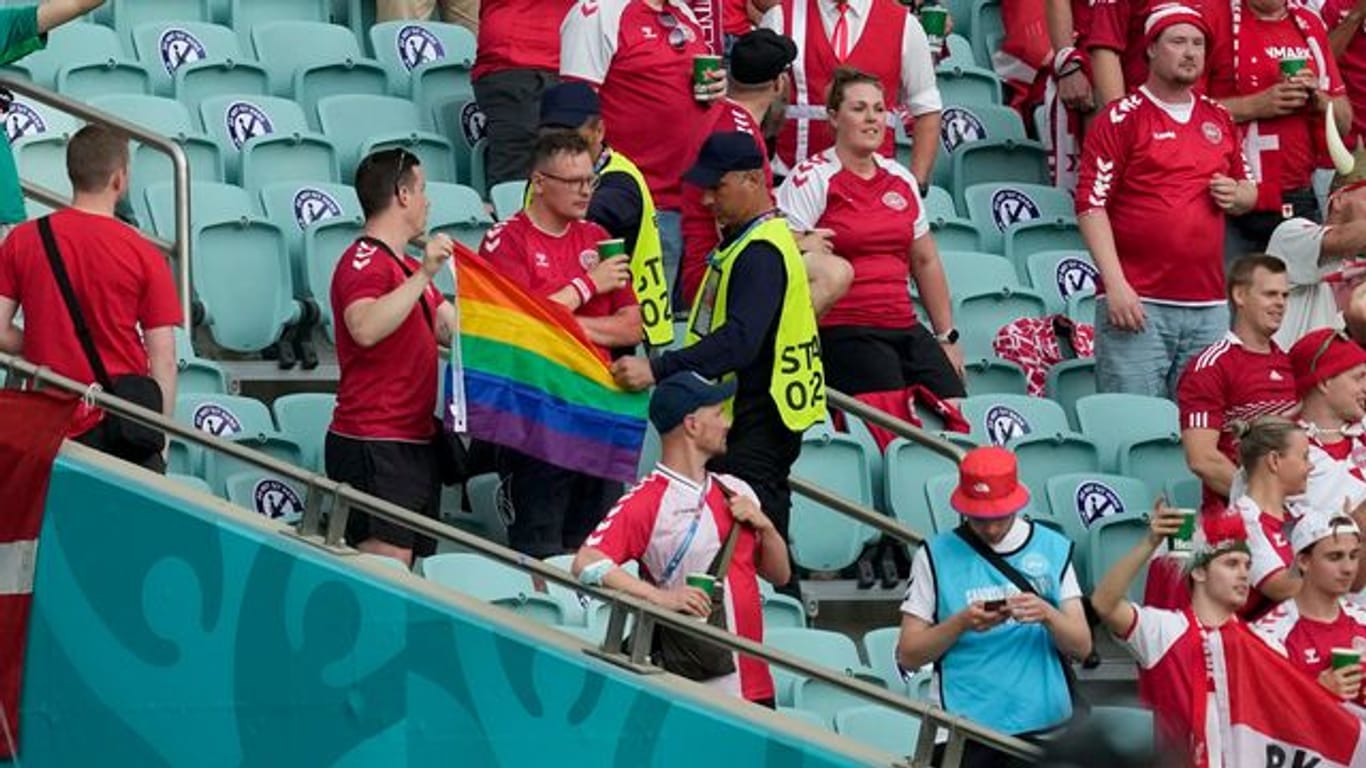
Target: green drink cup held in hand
x: 1181, y: 540
x: 934, y: 18
x: 1346, y: 657
x: 1291, y: 65
x: 703, y: 581
x: 609, y: 248
x: 703, y: 64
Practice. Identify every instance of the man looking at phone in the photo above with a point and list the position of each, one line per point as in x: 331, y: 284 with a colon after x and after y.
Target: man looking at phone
x: 996, y: 605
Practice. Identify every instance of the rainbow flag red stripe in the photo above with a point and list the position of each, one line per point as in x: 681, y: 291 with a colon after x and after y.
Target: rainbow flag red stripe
x: 534, y: 382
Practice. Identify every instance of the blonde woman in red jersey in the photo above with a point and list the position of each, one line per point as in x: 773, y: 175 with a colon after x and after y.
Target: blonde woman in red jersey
x: 873, y: 345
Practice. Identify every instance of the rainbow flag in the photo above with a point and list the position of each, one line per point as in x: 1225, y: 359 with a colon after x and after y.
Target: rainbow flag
x: 525, y: 376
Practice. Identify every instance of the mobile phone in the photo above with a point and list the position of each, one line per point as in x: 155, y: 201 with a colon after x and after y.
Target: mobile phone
x: 994, y: 606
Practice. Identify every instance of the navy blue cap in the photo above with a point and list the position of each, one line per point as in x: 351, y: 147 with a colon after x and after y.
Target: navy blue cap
x: 681, y: 394
x: 569, y: 105
x: 722, y: 153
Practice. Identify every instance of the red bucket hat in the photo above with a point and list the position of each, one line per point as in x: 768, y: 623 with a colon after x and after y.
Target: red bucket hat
x: 1320, y: 355
x: 989, y: 484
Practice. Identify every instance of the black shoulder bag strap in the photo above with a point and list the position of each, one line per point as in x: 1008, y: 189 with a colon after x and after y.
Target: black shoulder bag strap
x: 1079, y: 704
x: 54, y: 258
x: 421, y: 300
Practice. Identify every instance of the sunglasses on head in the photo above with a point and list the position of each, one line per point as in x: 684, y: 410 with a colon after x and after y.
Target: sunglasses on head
x: 1323, y: 349
x: 679, y: 35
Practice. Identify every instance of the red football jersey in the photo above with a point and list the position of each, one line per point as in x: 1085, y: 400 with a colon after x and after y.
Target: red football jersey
x: 658, y: 522
x: 1280, y: 151
x: 1169, y: 648
x: 121, y: 281
x: 641, y: 61
x: 1117, y: 25
x: 1149, y: 169
x: 519, y: 34
x: 1308, y: 643
x: 387, y: 391
x: 700, y: 233
x: 1228, y: 382
x: 874, y: 220
x: 543, y: 263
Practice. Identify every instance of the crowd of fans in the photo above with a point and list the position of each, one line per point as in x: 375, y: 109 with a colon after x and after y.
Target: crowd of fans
x: 740, y: 155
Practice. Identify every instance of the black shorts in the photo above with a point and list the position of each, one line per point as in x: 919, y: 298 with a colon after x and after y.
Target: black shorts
x: 400, y: 473
x: 860, y: 360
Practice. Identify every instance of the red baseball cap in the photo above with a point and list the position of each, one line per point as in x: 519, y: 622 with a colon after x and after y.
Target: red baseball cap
x: 989, y: 484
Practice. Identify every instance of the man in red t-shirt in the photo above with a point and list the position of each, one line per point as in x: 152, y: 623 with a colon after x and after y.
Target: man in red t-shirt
x: 389, y: 319
x: 1320, y: 619
x: 550, y: 250
x: 639, y: 54
x: 1160, y: 170
x: 121, y: 283
x: 660, y: 525
x: 1238, y: 378
x: 518, y: 59
x: 1280, y: 116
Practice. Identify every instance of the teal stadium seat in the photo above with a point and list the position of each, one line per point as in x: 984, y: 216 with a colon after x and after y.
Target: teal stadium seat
x: 1057, y: 233
x: 987, y: 30
x: 130, y: 14
x: 427, y: 61
x: 361, y: 124
x: 997, y: 207
x: 231, y: 417
x: 1081, y: 307
x: 193, y: 60
x: 828, y: 700
x: 967, y: 86
x: 986, y: 143
x: 1185, y: 492
x: 149, y: 165
x: 780, y: 611
x: 491, y: 581
x: 324, y: 244
x: 300, y: 208
x: 266, y: 139
x: 879, y: 727
x: 1081, y: 500
x: 959, y: 52
x: 507, y: 198
x: 1037, y: 431
x: 821, y: 539
x: 1114, y: 537
x: 1129, y: 728
x: 242, y: 273
x: 833, y: 650
x: 879, y: 648
x: 1114, y: 419
x: 465, y: 124
x: 806, y: 717
x: 987, y: 294
x: 1058, y: 275
x: 190, y: 481
x: 310, y: 61
x: 969, y: 272
x: 486, y: 518
x: 304, y: 417
x: 249, y: 15
x: 994, y: 376
x: 195, y: 375
x: 1070, y: 381
x: 908, y: 465
x: 877, y: 465
x: 82, y: 61
x: 458, y: 211
x: 938, y: 490
x: 272, y: 497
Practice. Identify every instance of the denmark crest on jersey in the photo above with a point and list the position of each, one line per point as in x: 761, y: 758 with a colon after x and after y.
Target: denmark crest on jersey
x: 588, y: 258
x: 895, y: 201
x: 1212, y: 133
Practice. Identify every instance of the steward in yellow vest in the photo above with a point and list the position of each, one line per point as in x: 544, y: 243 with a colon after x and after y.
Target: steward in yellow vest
x: 621, y: 204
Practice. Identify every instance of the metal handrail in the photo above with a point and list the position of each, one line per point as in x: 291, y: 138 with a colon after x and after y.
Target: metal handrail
x: 647, y: 616
x: 180, y: 248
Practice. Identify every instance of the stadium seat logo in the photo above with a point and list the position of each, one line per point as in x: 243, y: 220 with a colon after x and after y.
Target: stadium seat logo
x: 473, y: 123
x: 275, y: 500
x: 1075, y: 276
x: 1095, y: 501
x: 960, y: 127
x: 1005, y: 424
x: 216, y: 420
x: 178, y: 48
x: 1010, y: 207
x: 417, y: 46
x: 314, y: 205
x: 246, y: 121
x: 21, y: 120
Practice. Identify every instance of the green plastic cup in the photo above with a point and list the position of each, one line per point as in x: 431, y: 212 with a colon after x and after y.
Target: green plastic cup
x: 1290, y: 66
x: 1181, y: 540
x: 934, y: 18
x: 703, y: 581
x: 1346, y: 657
x: 702, y: 65
x: 609, y: 248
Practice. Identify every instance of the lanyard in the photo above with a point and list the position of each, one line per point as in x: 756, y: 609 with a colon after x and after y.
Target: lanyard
x: 671, y: 567
x: 702, y: 320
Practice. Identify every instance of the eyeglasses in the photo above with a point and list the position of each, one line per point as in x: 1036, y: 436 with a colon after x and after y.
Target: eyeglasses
x: 1323, y: 348
x: 679, y: 34
x: 399, y: 168
x: 584, y: 183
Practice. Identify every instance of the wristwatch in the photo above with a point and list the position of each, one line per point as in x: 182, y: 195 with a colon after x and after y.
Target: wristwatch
x: 948, y: 337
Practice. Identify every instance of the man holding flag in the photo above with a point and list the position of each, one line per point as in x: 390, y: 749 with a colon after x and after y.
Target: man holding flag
x: 549, y: 250
x: 1221, y: 696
